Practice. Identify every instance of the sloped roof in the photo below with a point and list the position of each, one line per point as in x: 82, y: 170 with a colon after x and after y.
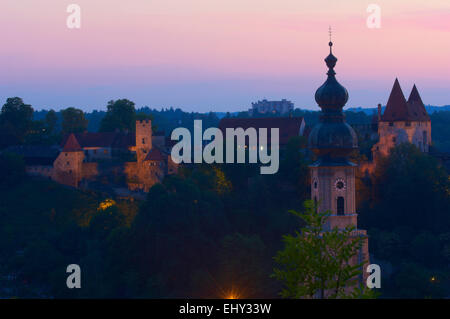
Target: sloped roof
x: 105, y: 139
x: 72, y: 144
x: 416, y: 106
x: 396, y: 107
x: 35, y: 154
x: 288, y: 126
x: 154, y: 155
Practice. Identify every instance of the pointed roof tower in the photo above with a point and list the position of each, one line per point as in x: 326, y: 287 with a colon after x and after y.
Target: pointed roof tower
x: 396, y: 107
x: 72, y: 144
x: 416, y: 106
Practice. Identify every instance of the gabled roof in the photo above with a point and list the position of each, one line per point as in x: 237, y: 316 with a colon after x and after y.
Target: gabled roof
x: 396, y: 107
x: 416, y: 106
x: 154, y: 155
x: 104, y: 139
x: 288, y: 126
x: 72, y: 144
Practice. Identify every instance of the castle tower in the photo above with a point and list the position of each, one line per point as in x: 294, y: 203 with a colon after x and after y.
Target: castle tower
x: 403, y: 121
x: 68, y: 165
x: 143, y: 139
x: 333, y: 174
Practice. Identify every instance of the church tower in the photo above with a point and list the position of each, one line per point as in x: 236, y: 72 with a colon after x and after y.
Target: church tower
x: 332, y: 141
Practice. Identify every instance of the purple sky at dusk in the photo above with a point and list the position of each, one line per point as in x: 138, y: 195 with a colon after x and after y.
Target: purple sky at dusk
x: 217, y: 55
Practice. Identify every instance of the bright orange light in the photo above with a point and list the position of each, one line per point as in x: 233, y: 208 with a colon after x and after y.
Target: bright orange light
x: 232, y: 294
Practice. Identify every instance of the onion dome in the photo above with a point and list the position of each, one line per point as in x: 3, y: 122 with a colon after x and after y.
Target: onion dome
x: 332, y: 139
x: 331, y: 96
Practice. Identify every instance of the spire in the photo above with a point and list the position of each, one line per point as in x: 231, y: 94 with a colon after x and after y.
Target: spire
x: 332, y: 139
x: 331, y: 96
x: 72, y: 144
x: 417, y: 108
x: 396, y: 107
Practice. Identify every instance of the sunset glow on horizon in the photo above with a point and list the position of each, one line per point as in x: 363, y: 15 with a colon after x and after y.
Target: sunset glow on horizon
x: 211, y: 55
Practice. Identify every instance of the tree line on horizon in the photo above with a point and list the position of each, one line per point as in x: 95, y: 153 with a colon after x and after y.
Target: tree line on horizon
x: 21, y: 124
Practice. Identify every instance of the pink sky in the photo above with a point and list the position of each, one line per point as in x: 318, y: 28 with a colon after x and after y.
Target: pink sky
x: 219, y: 55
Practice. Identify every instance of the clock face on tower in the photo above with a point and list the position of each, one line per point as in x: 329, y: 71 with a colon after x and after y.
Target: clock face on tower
x: 339, y: 184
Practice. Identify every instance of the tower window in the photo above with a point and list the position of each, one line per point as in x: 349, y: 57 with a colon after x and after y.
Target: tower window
x: 340, y: 205
x: 425, y: 137
x: 143, y: 141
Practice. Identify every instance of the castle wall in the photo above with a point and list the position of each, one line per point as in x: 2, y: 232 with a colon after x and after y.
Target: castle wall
x: 142, y: 176
x: 67, y: 168
x: 39, y: 170
x: 97, y: 153
x: 394, y: 133
x: 90, y: 170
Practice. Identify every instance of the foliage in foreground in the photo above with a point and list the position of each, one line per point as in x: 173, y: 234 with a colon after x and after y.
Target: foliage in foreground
x: 316, y: 263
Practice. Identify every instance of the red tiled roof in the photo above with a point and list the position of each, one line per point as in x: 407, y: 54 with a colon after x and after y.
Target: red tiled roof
x: 154, y: 155
x: 396, y: 107
x: 288, y: 126
x: 417, y: 109
x: 105, y: 139
x: 72, y: 144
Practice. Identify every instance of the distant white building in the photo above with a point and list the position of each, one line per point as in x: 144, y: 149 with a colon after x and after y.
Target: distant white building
x: 281, y: 107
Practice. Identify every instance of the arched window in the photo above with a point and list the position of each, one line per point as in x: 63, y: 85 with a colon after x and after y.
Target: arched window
x: 340, y: 205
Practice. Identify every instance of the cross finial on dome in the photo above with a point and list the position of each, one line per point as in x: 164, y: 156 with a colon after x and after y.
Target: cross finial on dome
x: 330, y: 33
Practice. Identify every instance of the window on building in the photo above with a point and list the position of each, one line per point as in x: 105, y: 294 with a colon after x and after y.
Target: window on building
x: 68, y: 163
x: 394, y: 139
x: 143, y: 140
x: 391, y: 123
x: 340, y: 205
x: 105, y: 151
x: 408, y: 123
x: 424, y: 136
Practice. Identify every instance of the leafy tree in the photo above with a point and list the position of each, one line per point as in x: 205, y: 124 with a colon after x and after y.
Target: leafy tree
x: 51, y: 119
x: 12, y: 170
x: 316, y: 263
x: 410, y: 188
x: 121, y: 115
x: 73, y: 121
x: 16, y: 119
